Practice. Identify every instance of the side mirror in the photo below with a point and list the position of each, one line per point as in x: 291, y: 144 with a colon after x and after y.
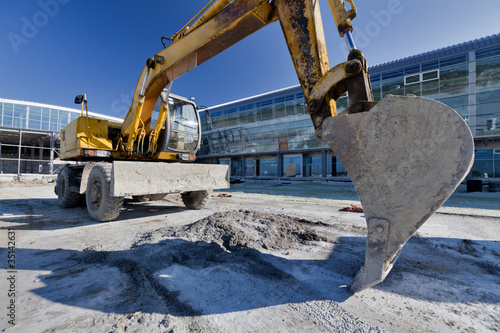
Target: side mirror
x: 79, y: 99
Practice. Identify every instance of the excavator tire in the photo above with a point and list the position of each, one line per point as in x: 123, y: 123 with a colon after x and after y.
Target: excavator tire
x: 148, y: 197
x: 196, y: 199
x: 68, y: 195
x: 100, y: 204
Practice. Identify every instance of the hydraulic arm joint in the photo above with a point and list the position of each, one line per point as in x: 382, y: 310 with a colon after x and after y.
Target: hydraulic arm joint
x: 322, y: 86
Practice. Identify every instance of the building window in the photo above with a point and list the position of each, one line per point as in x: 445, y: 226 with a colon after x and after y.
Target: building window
x: 411, y: 79
x: 63, y: 119
x: 392, y: 74
x: 489, y: 52
x: 412, y: 69
x: 334, y: 167
x: 488, y: 75
x: 430, y: 89
x: 268, y: 167
x: 427, y: 66
x: 454, y: 80
x: 313, y: 166
x: 236, y: 168
x: 292, y: 165
x: 459, y: 59
x: 251, y: 168
x: 421, y: 77
x: 7, y: 114
x: 20, y: 116
x: 393, y: 87
x: 488, y: 119
x: 374, y: 78
x: 483, y: 164
x: 35, y: 116
x: 376, y: 93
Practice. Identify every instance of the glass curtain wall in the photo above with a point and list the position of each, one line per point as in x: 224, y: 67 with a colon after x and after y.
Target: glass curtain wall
x: 445, y: 80
x: 469, y: 82
x: 487, y: 96
x: 256, y: 127
x: 34, y: 117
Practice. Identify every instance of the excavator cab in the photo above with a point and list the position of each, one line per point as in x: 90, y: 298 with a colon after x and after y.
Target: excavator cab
x: 181, y: 130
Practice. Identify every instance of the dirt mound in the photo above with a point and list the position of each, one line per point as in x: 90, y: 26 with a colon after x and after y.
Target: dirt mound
x: 241, y: 229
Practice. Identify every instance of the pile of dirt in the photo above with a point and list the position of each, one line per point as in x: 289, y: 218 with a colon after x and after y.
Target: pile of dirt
x: 242, y: 229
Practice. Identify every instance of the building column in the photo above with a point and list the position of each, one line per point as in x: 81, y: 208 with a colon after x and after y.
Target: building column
x: 279, y: 165
x: 243, y: 167
x: 1, y: 167
x: 40, y: 156
x: 19, y: 153
x: 324, y: 159
x: 32, y: 159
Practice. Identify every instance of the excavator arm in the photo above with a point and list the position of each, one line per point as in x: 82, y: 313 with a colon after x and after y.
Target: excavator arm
x: 405, y: 156
x: 227, y: 22
x: 224, y: 24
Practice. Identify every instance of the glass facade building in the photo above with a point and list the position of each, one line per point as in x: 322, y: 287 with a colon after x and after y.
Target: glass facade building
x: 36, y: 116
x: 29, y: 135
x: 271, y: 135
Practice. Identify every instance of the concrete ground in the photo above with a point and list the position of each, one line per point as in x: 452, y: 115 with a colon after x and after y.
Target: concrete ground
x: 265, y: 257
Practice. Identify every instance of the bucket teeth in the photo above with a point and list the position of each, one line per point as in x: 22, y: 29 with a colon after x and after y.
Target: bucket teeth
x: 405, y: 157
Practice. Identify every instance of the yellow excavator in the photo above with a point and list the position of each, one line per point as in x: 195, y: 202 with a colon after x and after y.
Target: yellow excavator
x: 405, y: 154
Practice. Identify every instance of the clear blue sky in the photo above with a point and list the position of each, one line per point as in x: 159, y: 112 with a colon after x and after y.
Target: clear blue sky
x: 52, y: 50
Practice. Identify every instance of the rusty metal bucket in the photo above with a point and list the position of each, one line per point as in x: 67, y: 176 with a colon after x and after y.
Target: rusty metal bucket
x: 405, y: 156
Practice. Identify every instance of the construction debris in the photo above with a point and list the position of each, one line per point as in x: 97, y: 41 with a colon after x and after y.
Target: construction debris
x: 353, y: 209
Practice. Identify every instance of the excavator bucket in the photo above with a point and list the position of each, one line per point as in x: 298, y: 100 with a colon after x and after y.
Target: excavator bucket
x: 405, y: 157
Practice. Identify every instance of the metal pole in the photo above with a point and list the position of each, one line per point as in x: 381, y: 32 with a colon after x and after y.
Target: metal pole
x: 52, y: 153
x: 1, y: 167
x: 32, y: 157
x: 40, y: 156
x: 19, y: 154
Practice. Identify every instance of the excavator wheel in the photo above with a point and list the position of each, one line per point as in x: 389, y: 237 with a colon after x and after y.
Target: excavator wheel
x: 68, y: 195
x: 100, y: 204
x: 196, y: 199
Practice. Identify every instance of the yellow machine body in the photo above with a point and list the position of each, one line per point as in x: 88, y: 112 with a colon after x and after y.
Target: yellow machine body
x: 86, y: 133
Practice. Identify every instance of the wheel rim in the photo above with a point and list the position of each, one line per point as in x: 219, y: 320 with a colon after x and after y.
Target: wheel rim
x: 95, y: 194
